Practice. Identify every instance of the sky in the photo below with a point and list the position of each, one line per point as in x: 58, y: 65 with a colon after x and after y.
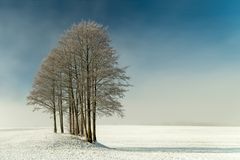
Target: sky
x: 184, y: 57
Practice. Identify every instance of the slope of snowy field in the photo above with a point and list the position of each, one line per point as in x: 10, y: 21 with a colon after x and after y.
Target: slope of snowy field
x: 124, y: 143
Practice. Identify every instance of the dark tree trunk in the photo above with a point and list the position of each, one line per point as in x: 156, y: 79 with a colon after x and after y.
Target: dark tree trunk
x: 61, y: 120
x: 61, y: 117
x: 70, y: 114
x: 88, y: 101
x: 60, y: 108
x: 76, y: 121
x: 85, y: 115
x: 94, y: 112
x: 75, y: 114
x: 54, y: 119
x: 81, y: 121
x: 76, y: 95
x: 80, y: 97
x: 73, y: 120
x: 83, y: 128
x: 54, y: 107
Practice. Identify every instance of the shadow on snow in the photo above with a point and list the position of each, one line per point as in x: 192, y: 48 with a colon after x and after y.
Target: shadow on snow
x: 180, y: 149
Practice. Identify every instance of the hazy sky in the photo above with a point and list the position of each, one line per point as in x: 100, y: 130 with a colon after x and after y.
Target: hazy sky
x: 184, y: 56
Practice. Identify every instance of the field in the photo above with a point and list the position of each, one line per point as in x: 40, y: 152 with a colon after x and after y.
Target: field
x: 123, y: 143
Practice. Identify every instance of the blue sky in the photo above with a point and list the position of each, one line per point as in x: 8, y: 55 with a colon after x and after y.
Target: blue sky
x: 183, y: 55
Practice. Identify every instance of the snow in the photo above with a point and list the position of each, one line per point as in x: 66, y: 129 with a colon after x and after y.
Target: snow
x: 124, y: 143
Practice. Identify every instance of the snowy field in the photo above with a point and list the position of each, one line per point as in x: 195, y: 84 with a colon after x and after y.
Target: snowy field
x: 124, y: 143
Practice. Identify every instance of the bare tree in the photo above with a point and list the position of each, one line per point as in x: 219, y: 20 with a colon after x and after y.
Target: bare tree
x: 43, y: 94
x: 83, y: 74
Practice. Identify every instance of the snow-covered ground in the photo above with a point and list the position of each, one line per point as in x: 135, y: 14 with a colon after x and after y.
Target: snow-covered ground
x: 125, y: 143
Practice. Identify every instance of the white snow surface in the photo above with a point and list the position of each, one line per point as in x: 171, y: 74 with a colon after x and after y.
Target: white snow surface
x: 124, y: 143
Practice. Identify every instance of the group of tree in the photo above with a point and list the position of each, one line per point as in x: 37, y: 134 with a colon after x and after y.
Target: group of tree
x: 80, y: 79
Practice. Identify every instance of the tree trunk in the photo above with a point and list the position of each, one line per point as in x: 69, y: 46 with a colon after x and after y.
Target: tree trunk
x: 73, y: 120
x: 60, y: 110
x: 61, y: 116
x: 83, y: 128
x: 75, y: 114
x: 88, y: 101
x: 76, y: 121
x: 94, y: 112
x: 61, y: 107
x: 61, y: 120
x: 54, y: 107
x: 81, y: 122
x: 70, y: 113
x: 54, y: 119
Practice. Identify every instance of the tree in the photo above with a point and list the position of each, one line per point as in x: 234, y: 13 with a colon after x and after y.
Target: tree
x: 43, y: 94
x: 85, y: 77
